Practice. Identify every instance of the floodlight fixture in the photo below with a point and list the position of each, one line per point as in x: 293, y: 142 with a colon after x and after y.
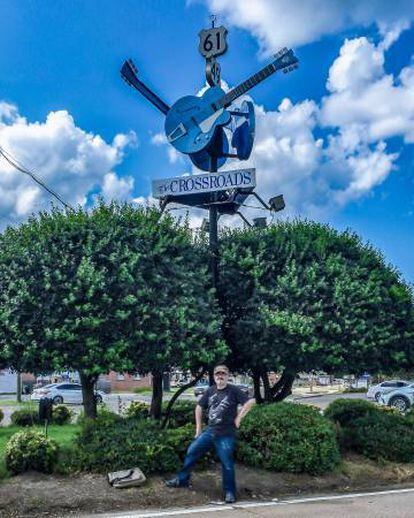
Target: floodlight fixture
x: 277, y: 203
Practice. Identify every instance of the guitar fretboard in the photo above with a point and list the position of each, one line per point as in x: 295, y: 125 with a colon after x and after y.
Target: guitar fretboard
x: 255, y: 79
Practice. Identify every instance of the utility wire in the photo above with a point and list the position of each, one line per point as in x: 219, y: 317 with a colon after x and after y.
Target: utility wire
x: 20, y: 167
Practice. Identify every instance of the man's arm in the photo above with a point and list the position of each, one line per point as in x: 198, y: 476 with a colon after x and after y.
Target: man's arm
x: 198, y: 420
x: 243, y: 411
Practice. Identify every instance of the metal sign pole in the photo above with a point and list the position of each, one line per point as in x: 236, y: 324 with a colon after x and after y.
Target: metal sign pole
x: 213, y: 232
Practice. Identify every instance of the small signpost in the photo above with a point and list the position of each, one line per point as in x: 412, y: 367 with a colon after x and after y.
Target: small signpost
x: 200, y: 127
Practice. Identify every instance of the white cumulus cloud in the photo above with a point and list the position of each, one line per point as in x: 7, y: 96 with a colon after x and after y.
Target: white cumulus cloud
x: 276, y: 23
x: 70, y: 160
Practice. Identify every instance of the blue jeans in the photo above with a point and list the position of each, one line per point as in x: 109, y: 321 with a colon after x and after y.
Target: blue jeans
x: 224, y: 446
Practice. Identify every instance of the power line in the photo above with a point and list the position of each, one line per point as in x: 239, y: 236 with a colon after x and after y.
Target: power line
x: 20, y: 167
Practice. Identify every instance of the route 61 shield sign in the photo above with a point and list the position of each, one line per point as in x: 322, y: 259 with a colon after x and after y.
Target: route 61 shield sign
x: 213, y: 41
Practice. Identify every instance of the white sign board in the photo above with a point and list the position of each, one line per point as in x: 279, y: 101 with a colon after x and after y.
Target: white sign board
x: 202, y: 183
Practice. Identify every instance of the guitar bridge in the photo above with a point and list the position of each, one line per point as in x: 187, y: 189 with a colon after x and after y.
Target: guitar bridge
x: 177, y: 133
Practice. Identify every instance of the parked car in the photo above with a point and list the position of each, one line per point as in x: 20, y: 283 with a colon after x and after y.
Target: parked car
x: 63, y: 393
x: 200, y: 387
x: 376, y: 391
x: 402, y: 398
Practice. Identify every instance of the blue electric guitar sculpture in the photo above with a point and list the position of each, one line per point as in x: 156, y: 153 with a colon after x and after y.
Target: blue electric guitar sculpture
x: 191, y: 122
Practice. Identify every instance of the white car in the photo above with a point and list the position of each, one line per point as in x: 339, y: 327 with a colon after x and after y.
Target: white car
x: 63, y: 393
x: 376, y: 391
x: 402, y: 398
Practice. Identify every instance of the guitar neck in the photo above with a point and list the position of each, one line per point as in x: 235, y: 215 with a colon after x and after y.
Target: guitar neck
x: 255, y: 79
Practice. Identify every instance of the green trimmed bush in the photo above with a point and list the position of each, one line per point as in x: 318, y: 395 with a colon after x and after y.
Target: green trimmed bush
x: 107, y: 445
x: 381, y: 436
x: 345, y: 411
x: 1, y: 415
x: 137, y: 410
x: 104, y: 415
x: 25, y: 417
x: 31, y: 450
x: 61, y: 415
x: 182, y: 413
x: 288, y: 437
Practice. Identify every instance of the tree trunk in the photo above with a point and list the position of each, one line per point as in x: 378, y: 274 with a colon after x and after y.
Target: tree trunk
x: 283, y: 387
x: 88, y: 394
x: 156, y: 401
x: 178, y: 394
x: 256, y: 385
x: 266, y: 386
x: 211, y: 376
x: 19, y: 387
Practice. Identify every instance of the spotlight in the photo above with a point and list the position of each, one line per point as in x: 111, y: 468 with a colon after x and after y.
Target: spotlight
x: 277, y: 203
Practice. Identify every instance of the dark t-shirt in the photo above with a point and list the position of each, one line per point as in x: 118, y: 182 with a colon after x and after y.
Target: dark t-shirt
x: 222, y: 407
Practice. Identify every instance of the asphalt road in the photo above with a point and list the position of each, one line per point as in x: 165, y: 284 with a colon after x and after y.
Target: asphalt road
x: 395, y: 503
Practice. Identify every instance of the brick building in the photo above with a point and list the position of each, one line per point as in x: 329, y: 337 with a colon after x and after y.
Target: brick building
x: 124, y: 382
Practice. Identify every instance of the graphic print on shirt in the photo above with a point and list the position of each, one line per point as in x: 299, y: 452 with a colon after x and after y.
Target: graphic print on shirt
x: 217, y: 409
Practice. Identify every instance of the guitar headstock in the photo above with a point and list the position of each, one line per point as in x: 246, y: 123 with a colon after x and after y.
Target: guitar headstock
x: 129, y: 72
x: 285, y: 60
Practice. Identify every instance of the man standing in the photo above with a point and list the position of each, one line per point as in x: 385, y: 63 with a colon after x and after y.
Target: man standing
x: 221, y: 401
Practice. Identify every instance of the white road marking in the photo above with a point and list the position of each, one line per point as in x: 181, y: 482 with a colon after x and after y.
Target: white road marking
x: 246, y: 505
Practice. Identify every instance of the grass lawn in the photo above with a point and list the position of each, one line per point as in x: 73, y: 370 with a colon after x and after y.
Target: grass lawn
x: 63, y: 435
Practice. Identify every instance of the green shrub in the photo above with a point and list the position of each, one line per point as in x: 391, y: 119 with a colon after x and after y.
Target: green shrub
x: 61, y: 415
x: 1, y: 415
x: 288, y: 437
x: 137, y: 410
x: 382, y: 436
x: 182, y: 413
x: 25, y: 417
x: 180, y: 439
x: 30, y: 450
x: 104, y: 415
x: 345, y: 411
x: 107, y: 445
x: 141, y: 390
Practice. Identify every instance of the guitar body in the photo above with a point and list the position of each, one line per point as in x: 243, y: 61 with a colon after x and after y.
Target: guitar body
x: 191, y: 122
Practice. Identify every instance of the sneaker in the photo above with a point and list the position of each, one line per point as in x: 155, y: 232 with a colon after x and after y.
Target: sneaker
x: 229, y: 498
x: 175, y: 482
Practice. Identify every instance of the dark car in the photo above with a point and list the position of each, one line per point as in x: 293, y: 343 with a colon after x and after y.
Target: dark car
x: 200, y: 387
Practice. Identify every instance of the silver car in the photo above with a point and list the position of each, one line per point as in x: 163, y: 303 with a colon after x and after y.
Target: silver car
x: 376, y: 391
x: 63, y: 393
x: 402, y: 398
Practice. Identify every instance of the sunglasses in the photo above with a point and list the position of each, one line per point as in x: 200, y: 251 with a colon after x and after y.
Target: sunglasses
x: 221, y: 372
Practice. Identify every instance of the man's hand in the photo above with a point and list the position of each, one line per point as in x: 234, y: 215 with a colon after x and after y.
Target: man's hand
x: 237, y: 422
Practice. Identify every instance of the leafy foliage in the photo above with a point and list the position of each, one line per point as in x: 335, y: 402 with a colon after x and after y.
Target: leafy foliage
x: 137, y: 410
x: 1, y: 415
x: 117, y: 288
x: 345, y: 411
x: 61, y: 415
x: 310, y: 297
x: 25, y: 417
x: 104, y: 445
x: 382, y: 435
x: 288, y: 437
x: 31, y: 450
x: 182, y: 413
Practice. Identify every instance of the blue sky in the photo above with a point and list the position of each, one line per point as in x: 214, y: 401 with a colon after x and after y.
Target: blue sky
x: 336, y: 136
